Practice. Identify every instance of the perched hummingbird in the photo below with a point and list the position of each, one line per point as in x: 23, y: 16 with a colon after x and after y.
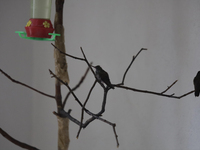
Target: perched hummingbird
x: 103, y: 76
x: 196, y: 82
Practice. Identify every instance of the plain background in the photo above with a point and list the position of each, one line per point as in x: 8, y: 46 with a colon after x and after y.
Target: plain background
x: 110, y: 32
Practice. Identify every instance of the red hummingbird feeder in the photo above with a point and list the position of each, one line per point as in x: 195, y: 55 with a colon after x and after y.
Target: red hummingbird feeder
x: 39, y: 26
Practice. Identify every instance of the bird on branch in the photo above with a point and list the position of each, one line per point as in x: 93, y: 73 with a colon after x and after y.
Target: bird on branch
x: 196, y: 82
x: 103, y: 76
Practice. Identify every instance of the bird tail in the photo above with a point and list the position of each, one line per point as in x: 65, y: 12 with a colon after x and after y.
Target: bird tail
x: 196, y: 93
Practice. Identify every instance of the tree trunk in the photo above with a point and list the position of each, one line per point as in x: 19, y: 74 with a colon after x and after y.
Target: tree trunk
x: 61, y: 72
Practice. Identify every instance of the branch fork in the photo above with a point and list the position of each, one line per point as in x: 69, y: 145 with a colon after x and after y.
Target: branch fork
x: 63, y: 114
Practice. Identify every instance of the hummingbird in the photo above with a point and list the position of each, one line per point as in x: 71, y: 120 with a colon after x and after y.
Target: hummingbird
x: 103, y: 76
x: 196, y: 82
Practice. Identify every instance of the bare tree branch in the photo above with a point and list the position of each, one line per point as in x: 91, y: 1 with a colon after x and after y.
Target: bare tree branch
x: 106, y: 89
x: 120, y: 85
x: 82, y: 113
x: 16, y: 142
x: 91, y: 68
x: 77, y: 86
x: 17, y: 82
x: 82, y: 59
x: 155, y: 93
x: 53, y: 75
x: 94, y: 116
x: 67, y: 114
x: 67, y: 54
x: 114, y: 130
x: 116, y: 136
x: 169, y: 87
x: 185, y: 94
x: 133, y: 59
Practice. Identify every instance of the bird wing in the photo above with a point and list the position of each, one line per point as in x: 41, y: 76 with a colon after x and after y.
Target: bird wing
x: 196, y: 86
x: 106, y: 78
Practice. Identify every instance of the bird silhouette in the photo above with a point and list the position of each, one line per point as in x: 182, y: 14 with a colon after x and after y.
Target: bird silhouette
x: 196, y: 82
x: 103, y: 76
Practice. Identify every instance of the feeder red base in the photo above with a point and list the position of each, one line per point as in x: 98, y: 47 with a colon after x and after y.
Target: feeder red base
x: 39, y: 28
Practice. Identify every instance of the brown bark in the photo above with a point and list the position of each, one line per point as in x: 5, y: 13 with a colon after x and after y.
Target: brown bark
x: 61, y: 72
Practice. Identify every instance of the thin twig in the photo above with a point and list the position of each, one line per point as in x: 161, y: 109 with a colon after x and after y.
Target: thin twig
x: 133, y: 59
x: 53, y: 75
x: 155, y: 93
x: 82, y: 113
x: 16, y: 142
x: 85, y: 59
x: 77, y: 86
x: 114, y: 130
x: 116, y: 136
x: 124, y: 76
x: 75, y: 97
x: 90, y: 92
x: 140, y: 51
x: 104, y: 102
x: 186, y: 94
x: 169, y: 87
x: 67, y: 54
x: 17, y: 82
x: 92, y: 69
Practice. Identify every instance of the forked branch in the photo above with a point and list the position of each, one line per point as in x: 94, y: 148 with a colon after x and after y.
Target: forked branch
x: 77, y: 86
x: 133, y: 59
x: 169, y: 87
x: 94, y: 116
x: 106, y: 89
x: 120, y: 85
x: 82, y: 59
x: 154, y: 93
x: 82, y: 113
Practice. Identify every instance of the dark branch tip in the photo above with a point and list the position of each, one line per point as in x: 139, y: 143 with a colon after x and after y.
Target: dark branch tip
x: 69, y: 111
x: 55, y: 113
x: 144, y: 49
x: 172, y: 94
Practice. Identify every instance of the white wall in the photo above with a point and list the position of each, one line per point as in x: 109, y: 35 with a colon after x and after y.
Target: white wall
x: 16, y: 60
x: 110, y: 32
